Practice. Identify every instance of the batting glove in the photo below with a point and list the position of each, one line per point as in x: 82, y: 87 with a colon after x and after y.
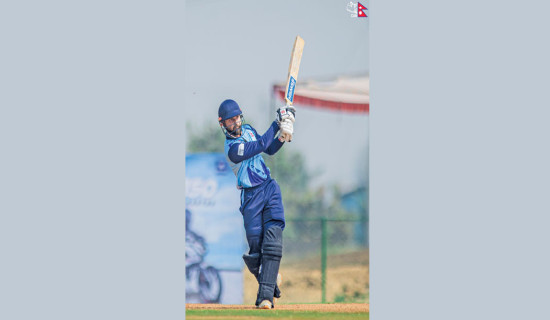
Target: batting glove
x: 283, y: 113
x: 287, y: 129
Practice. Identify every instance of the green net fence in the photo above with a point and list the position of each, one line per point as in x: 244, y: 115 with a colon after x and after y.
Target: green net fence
x: 325, y: 260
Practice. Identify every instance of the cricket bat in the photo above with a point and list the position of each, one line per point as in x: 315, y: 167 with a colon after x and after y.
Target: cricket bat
x: 293, y: 67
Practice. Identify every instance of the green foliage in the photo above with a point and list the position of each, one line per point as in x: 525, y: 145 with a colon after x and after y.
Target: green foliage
x: 208, y: 138
x: 288, y: 168
x: 348, y: 296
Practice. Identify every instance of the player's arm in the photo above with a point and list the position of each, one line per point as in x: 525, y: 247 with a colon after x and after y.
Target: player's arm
x: 241, y: 151
x: 274, y: 146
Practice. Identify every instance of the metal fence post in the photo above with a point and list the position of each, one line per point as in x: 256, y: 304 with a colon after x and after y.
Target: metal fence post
x: 324, y: 237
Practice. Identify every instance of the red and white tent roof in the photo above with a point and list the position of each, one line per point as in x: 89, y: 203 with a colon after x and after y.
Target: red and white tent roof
x: 345, y: 93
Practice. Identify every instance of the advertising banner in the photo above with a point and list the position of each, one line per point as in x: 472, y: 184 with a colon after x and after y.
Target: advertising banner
x: 215, y: 239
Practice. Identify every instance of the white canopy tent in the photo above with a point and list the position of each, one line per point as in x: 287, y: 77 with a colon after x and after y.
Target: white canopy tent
x: 344, y: 93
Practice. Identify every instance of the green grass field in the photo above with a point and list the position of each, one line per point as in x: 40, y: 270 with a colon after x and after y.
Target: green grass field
x: 278, y: 314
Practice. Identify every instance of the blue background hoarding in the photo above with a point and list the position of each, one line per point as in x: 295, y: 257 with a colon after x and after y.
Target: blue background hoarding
x: 215, y: 230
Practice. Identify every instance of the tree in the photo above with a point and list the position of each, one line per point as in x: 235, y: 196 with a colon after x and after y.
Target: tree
x: 208, y: 138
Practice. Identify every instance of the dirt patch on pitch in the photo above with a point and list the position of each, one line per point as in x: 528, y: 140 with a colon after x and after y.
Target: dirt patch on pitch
x: 329, y: 307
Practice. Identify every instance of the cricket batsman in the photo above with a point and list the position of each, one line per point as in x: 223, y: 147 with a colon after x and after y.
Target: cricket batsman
x: 261, y: 201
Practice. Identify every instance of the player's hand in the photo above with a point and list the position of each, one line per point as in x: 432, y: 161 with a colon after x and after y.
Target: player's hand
x: 283, y: 113
x: 287, y: 129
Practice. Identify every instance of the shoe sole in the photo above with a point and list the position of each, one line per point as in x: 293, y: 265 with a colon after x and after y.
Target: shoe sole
x: 265, y: 305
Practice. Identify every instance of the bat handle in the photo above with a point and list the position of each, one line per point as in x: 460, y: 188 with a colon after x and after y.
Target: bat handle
x: 289, y: 104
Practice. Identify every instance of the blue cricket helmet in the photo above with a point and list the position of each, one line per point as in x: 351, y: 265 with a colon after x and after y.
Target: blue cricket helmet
x: 228, y: 109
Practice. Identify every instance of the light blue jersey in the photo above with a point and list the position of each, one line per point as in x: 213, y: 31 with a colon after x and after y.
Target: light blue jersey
x: 243, y: 155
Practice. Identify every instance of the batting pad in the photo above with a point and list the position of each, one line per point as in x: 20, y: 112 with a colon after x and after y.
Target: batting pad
x: 252, y: 262
x: 272, y: 252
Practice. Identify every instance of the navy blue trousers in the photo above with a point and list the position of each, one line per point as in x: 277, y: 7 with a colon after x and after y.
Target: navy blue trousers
x: 261, y: 207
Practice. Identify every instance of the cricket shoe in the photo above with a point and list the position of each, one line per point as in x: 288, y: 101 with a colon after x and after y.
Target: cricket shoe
x: 265, y: 304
